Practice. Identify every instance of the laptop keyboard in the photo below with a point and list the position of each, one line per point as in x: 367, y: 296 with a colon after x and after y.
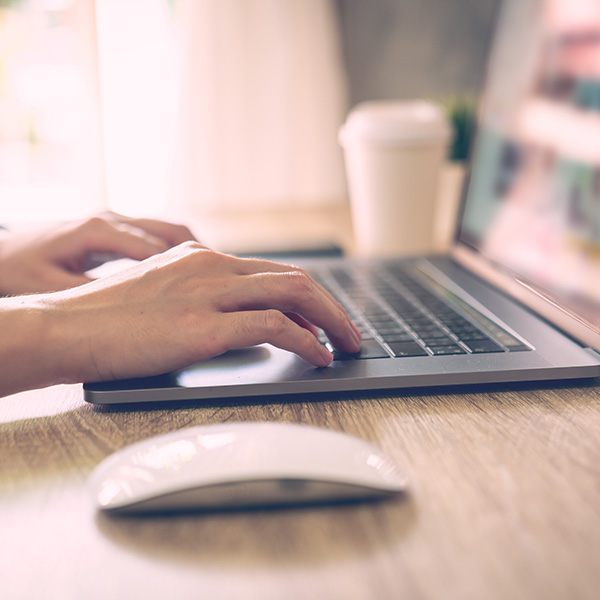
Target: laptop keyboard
x: 399, y: 315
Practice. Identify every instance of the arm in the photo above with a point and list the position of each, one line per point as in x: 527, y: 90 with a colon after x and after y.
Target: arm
x: 182, y: 306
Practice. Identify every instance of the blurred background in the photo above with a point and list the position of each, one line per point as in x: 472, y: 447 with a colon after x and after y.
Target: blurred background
x: 188, y: 107
x: 414, y: 48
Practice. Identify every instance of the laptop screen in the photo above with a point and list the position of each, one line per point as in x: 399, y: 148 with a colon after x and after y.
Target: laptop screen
x: 533, y: 203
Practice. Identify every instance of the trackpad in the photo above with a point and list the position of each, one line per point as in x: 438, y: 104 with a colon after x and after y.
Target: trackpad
x: 262, y: 363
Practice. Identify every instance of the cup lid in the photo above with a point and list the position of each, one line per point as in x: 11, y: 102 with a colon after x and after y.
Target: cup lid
x: 395, y: 122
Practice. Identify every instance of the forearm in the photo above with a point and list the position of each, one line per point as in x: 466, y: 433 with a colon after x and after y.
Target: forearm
x: 33, y: 349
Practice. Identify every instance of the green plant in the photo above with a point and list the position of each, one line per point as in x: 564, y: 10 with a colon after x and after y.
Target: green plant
x: 461, y: 112
x: 10, y: 3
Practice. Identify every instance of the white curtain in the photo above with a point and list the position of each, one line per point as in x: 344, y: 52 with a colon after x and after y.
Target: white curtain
x: 138, y: 80
x: 262, y: 97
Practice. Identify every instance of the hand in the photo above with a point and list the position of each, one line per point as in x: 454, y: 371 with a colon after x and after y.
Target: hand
x: 57, y: 257
x: 187, y: 305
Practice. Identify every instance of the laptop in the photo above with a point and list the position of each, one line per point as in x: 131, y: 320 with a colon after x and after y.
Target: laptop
x: 517, y: 298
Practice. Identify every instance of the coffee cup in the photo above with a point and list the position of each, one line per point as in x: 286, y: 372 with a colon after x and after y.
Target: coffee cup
x: 394, y: 152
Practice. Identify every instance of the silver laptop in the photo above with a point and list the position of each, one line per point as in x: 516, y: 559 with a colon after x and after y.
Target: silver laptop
x: 518, y: 296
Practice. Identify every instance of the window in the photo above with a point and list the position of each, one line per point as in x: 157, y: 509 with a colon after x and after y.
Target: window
x: 168, y: 106
x: 50, y: 153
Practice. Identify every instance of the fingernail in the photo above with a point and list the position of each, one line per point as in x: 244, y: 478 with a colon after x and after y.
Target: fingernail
x: 327, y: 356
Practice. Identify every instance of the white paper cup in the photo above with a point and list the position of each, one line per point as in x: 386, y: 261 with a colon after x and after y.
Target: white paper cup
x: 394, y: 152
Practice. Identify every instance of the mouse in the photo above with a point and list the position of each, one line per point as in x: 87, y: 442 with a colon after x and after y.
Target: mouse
x: 243, y: 465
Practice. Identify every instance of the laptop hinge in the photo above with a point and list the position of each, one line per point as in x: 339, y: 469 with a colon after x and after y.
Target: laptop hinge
x: 595, y: 353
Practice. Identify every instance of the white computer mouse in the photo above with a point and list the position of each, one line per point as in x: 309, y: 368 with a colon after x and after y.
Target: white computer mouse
x: 239, y: 465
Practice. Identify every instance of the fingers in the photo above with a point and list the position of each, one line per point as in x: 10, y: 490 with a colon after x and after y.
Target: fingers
x: 119, y: 240
x: 250, y: 328
x: 296, y: 293
x: 241, y: 285
x: 170, y: 233
x: 254, y: 284
x: 117, y: 236
x: 303, y: 323
x: 250, y: 266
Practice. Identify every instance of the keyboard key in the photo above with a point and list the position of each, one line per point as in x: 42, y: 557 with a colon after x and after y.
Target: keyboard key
x: 397, y: 336
x: 384, y: 331
x: 437, y: 343
x: 473, y: 335
x: 446, y: 350
x: 483, y: 346
x: 368, y: 349
x: 407, y: 349
x: 385, y: 325
x: 518, y: 348
x: 434, y: 335
x: 371, y: 349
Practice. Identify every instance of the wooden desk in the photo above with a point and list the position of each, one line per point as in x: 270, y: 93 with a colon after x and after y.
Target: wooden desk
x: 504, y: 502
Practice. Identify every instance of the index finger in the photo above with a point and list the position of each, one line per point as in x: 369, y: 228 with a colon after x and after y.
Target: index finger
x: 292, y: 292
x: 254, y: 266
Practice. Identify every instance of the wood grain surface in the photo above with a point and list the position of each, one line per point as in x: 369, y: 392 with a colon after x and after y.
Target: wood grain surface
x: 503, y: 502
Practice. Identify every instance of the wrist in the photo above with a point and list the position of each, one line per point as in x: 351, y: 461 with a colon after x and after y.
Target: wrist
x: 35, y: 352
